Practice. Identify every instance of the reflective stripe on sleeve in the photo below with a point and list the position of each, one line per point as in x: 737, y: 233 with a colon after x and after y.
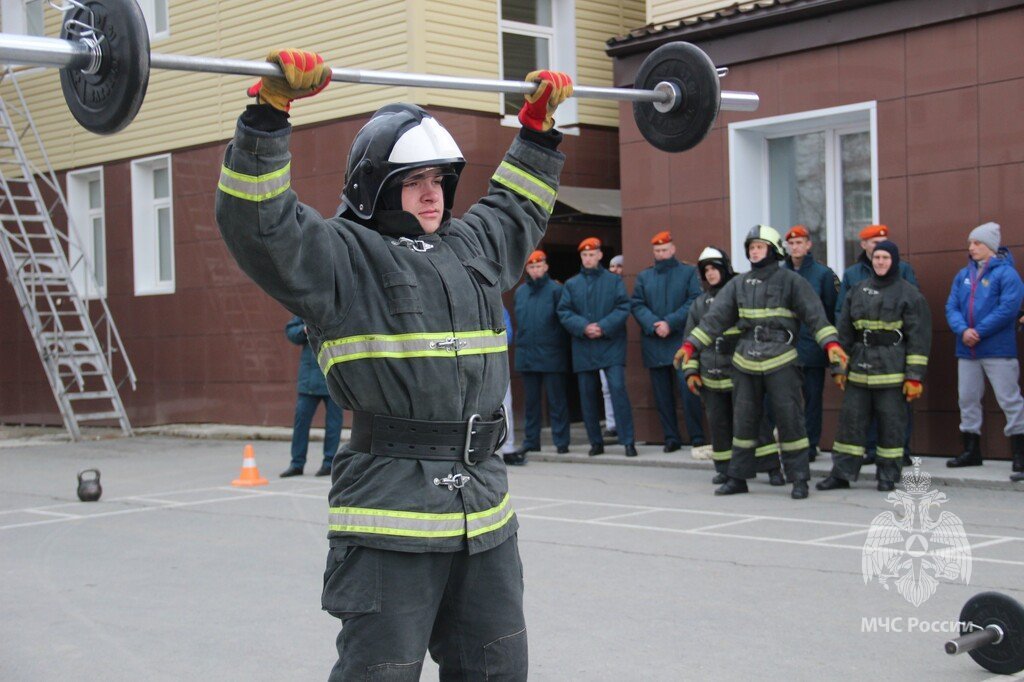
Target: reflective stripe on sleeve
x: 917, y: 360
x: 825, y: 332
x: 526, y: 185
x: 255, y: 187
x: 416, y: 345
x: 701, y: 336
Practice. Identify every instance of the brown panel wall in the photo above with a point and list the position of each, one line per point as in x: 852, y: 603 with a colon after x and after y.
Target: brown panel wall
x: 951, y: 156
x: 215, y: 351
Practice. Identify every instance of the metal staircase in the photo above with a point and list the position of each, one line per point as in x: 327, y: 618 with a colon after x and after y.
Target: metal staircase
x: 77, y: 340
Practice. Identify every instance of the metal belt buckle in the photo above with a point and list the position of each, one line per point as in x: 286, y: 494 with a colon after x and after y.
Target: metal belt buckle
x: 718, y: 343
x: 757, y: 333
x: 899, y: 338
x: 864, y: 337
x: 790, y: 341
x: 467, y: 451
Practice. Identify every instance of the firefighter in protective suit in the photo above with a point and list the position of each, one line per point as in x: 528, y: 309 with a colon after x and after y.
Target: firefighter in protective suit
x: 767, y: 305
x: 887, y: 327
x: 709, y: 375
x: 403, y: 306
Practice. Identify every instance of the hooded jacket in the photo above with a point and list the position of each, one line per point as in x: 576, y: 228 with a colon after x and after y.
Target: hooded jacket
x: 860, y: 271
x: 595, y: 295
x: 988, y: 298
x: 404, y: 324
x: 664, y: 291
x: 542, y: 344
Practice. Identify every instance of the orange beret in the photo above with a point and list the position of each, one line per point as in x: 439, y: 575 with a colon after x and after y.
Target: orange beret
x: 661, y: 238
x: 872, y: 231
x: 589, y: 244
x: 537, y: 256
x: 797, y: 231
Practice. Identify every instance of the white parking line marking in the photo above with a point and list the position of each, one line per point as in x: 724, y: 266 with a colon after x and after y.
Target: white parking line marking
x: 53, y: 513
x: 727, y: 523
x: 828, y: 538
x: 613, y: 516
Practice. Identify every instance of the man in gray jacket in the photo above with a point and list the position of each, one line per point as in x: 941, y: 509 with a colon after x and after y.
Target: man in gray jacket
x: 403, y: 306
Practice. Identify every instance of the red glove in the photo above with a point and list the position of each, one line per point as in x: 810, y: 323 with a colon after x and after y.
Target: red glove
x: 836, y: 355
x: 553, y: 89
x: 694, y: 383
x: 304, y: 74
x: 683, y: 355
x: 912, y: 389
x: 840, y: 380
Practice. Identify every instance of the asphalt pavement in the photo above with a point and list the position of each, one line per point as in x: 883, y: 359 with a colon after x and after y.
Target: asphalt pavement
x: 634, y: 569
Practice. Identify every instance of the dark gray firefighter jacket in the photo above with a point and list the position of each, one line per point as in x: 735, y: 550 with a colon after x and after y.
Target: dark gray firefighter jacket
x: 714, y: 362
x: 404, y: 324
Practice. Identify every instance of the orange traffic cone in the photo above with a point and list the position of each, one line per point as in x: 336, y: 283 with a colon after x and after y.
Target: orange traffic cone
x: 250, y: 475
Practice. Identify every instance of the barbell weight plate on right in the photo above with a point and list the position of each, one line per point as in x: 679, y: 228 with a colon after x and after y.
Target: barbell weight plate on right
x: 107, y: 101
x: 993, y: 608
x: 692, y: 71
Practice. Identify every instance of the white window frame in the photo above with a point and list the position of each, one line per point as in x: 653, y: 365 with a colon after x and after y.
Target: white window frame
x: 561, y: 37
x: 152, y: 9
x: 145, y: 225
x: 82, y: 245
x: 15, y: 16
x: 748, y: 171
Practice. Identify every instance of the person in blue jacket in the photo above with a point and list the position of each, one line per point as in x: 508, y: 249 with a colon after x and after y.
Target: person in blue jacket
x: 661, y: 300
x: 312, y: 390
x: 826, y: 284
x: 861, y: 270
x: 509, y: 446
x: 593, y: 309
x: 982, y: 311
x: 542, y: 357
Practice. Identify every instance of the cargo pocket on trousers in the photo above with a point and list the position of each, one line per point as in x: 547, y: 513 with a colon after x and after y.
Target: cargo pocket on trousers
x: 394, y: 672
x: 352, y: 581
x: 507, y: 658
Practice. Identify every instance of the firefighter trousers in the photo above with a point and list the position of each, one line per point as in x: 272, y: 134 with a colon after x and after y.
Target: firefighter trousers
x: 783, y: 389
x: 860, y: 405
x: 718, y: 405
x: 465, y: 609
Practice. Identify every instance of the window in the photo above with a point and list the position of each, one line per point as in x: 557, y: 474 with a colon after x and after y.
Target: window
x: 23, y: 16
x: 537, y: 34
x: 815, y: 168
x: 153, y: 225
x: 157, y: 16
x: 88, y: 246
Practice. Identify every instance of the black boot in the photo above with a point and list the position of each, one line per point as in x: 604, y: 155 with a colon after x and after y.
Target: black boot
x: 596, y: 450
x: 732, y: 486
x: 719, y: 479
x: 971, y: 456
x: 908, y: 460
x: 630, y: 450
x: 775, y: 477
x: 1017, y: 478
x: 516, y: 458
x: 800, y: 490
x: 812, y: 453
x: 885, y: 486
x: 1017, y: 448
x: 832, y: 483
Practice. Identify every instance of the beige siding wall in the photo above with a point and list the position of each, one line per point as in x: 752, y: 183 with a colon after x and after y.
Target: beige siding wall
x: 452, y: 37
x: 662, y: 11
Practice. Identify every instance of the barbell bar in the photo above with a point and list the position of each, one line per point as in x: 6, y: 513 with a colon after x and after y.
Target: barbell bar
x: 992, y: 633
x: 104, y: 58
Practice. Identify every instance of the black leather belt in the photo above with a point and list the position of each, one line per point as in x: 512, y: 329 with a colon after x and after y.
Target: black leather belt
x: 725, y: 345
x: 881, y: 337
x: 471, y: 441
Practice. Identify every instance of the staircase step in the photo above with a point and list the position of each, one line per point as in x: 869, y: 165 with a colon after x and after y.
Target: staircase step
x: 89, y: 395
x: 96, y: 416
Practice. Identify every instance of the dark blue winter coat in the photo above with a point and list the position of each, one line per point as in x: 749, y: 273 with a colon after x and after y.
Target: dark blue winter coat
x: 664, y: 292
x: 542, y: 344
x: 311, y: 378
x: 826, y: 285
x: 595, y: 295
x: 988, y: 300
x: 860, y: 271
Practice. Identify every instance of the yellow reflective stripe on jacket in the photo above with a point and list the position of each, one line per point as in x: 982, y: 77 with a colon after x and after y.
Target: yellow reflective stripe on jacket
x: 760, y: 313
x: 732, y: 331
x: 876, y: 379
x: 766, y: 450
x: 917, y: 359
x: 419, y: 524
x: 255, y: 187
x: 825, y: 332
x: 692, y: 364
x: 526, y: 185
x: 414, y: 345
x: 702, y: 336
x: 717, y: 384
x: 764, y: 365
x: 848, y: 449
x: 889, y: 453
x: 791, y: 445
x: 878, y: 325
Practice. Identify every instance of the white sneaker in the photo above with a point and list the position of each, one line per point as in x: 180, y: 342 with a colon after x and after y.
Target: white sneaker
x: 701, y: 452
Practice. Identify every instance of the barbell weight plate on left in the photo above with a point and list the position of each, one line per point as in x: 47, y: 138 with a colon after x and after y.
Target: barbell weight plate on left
x: 694, y: 74
x: 993, y: 608
x: 108, y: 100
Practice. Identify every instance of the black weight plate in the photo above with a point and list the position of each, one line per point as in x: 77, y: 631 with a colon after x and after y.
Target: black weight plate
x: 693, y: 71
x: 993, y: 608
x: 107, y: 101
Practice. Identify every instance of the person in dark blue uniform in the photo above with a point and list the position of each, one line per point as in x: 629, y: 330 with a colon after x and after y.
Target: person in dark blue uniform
x: 661, y: 300
x: 593, y: 309
x: 826, y: 284
x: 542, y: 357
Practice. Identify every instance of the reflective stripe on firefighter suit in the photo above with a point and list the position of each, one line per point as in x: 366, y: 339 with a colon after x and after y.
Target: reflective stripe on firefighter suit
x: 874, y: 386
x: 766, y: 304
x: 715, y: 370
